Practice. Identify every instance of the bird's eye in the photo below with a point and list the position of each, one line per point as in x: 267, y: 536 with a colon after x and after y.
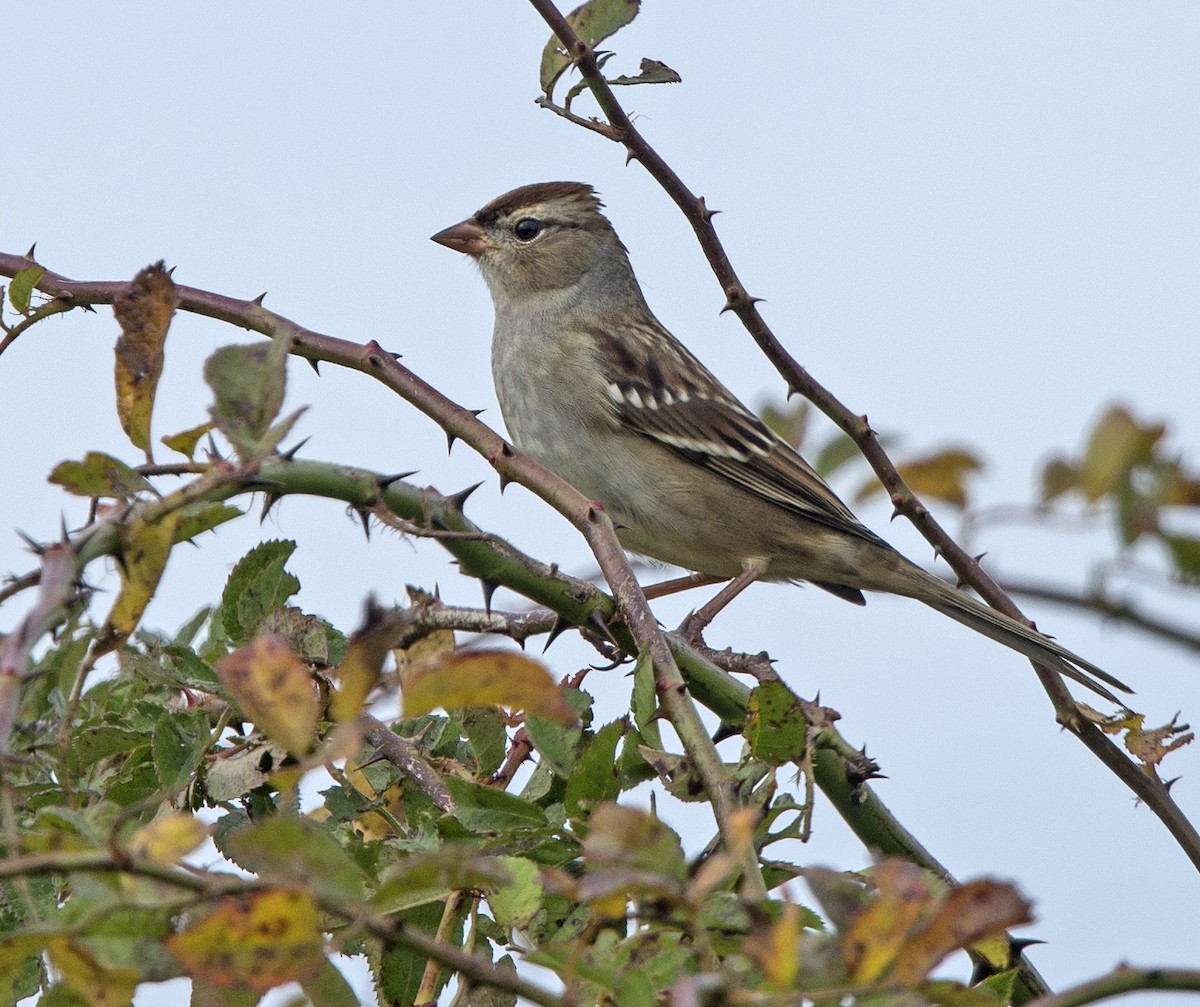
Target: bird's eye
x: 527, y: 228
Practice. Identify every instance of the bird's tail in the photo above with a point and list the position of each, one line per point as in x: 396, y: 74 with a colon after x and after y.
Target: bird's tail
x: 948, y: 600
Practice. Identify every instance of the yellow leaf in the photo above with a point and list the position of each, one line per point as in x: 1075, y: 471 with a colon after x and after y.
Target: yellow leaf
x: 362, y: 665
x: 145, y: 548
x: 168, y: 839
x: 484, y: 678
x: 942, y: 475
x: 88, y: 979
x: 876, y: 936
x: 255, y: 941
x: 1117, y: 443
x: 186, y: 440
x: 275, y: 689
x: 144, y: 313
x: 1153, y: 745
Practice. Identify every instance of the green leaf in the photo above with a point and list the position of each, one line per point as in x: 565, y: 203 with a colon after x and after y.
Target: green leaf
x: 644, y: 701
x: 1185, y: 551
x: 484, y: 809
x: 595, y: 778
x: 775, y: 725
x: 834, y: 453
x: 293, y: 849
x: 21, y: 288
x: 186, y: 440
x: 558, y: 746
x: 634, y: 989
x: 1117, y: 443
x: 99, y: 475
x: 399, y: 971
x: 195, y: 519
x: 249, y: 383
x: 178, y: 744
x: 515, y: 902
x: 593, y: 22
x: 483, y: 727
x: 328, y: 988
x: 257, y: 584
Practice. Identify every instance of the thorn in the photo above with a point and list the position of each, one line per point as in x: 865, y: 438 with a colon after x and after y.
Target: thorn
x: 1019, y: 944
x: 213, y: 451
x: 1168, y: 784
x: 477, y: 412
x: 595, y: 509
x: 504, y: 482
x: 560, y: 624
x: 259, y: 299
x: 979, y: 556
x: 35, y: 547
x: 364, y: 516
x: 724, y: 731
x: 315, y: 365
x: 705, y: 213
x: 597, y: 622
x: 733, y: 297
x: 386, y: 481
x: 451, y: 437
x: 32, y: 249
x: 489, y: 589
x: 270, y: 499
x: 897, y: 506
x: 460, y: 498
x: 290, y: 454
x: 376, y: 756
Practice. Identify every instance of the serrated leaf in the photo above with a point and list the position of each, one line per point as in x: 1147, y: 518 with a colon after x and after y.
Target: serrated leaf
x: 22, y: 286
x: 144, y: 311
x: 644, y: 700
x: 284, y: 850
x: 485, y: 809
x: 249, y: 383
x: 432, y: 875
x: 595, y: 779
x: 275, y: 690
x: 775, y: 725
x: 484, y: 678
x: 653, y: 72
x: 515, y: 902
x: 593, y: 22
x: 257, y: 584
x: 257, y: 940
x: 99, y: 475
x: 186, y: 440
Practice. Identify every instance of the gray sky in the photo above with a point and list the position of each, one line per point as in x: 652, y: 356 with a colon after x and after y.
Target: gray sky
x: 977, y: 223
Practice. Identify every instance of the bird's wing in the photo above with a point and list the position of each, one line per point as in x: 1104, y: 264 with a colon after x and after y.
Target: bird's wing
x: 660, y: 390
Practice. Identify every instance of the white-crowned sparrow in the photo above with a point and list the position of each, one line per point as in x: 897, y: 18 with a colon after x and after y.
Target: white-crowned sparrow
x: 592, y: 386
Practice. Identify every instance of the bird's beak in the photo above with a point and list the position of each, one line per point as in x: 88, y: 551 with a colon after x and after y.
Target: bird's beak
x: 467, y: 237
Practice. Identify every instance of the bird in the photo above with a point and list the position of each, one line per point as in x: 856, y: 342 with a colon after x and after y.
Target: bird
x: 596, y: 389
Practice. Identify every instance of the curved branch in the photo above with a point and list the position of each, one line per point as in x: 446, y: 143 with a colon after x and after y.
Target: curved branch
x: 1124, y: 979
x: 737, y: 299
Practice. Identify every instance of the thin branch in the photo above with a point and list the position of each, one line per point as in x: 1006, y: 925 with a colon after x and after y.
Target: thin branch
x: 737, y: 299
x: 405, y: 756
x: 1123, y: 979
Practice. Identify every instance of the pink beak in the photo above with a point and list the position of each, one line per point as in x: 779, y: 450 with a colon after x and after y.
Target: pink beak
x: 467, y: 237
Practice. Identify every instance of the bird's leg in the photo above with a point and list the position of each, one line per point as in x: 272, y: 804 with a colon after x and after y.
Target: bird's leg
x: 695, y: 624
x: 677, y: 584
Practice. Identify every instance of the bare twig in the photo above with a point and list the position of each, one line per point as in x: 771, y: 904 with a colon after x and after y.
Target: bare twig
x: 1123, y: 979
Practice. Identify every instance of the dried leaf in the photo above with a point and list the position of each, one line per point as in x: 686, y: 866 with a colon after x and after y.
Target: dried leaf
x: 593, y: 22
x: 653, y: 72
x: 484, y: 678
x: 776, y: 947
x: 971, y: 912
x: 362, y: 665
x: 1155, y: 744
x: 877, y: 935
x: 275, y: 690
x: 257, y: 941
x: 144, y: 312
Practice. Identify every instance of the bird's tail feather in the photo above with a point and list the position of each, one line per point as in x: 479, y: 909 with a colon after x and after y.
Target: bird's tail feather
x: 999, y: 627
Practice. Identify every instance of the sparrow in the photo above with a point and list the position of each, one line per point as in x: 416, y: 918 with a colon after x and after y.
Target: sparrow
x: 592, y: 386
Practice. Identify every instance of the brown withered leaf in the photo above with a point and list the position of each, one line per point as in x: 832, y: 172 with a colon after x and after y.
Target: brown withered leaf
x: 144, y: 313
x: 971, y: 912
x: 275, y: 690
x: 362, y: 664
x: 484, y: 678
x: 1153, y: 745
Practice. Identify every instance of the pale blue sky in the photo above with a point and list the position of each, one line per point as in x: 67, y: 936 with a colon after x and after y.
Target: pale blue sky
x: 977, y: 223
